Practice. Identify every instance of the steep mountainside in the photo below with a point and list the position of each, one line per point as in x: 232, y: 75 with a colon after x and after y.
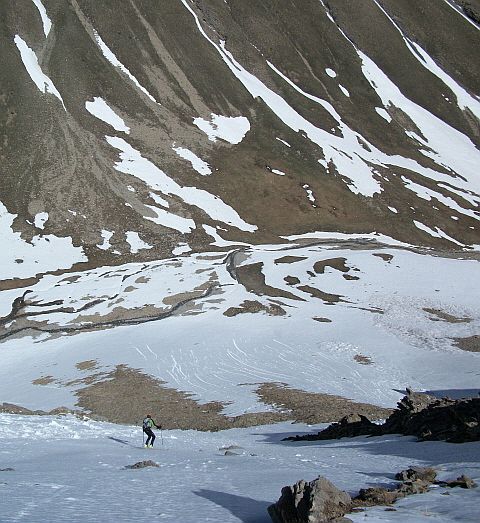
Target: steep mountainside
x: 134, y: 127
x: 238, y: 211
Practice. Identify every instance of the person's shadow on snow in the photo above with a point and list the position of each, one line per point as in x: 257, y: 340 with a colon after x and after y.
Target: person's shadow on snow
x: 245, y: 509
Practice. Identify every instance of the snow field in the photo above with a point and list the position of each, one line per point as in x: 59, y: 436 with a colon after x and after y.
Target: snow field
x: 73, y: 470
x: 383, y: 315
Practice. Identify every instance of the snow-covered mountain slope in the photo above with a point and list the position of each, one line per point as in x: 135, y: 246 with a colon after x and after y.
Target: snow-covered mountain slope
x: 232, y: 212
x: 128, y: 131
x: 75, y: 470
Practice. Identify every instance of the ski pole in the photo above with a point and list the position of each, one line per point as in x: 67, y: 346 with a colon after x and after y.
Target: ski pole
x: 161, y: 435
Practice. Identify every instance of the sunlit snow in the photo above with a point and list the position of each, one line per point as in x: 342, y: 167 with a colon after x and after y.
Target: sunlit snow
x: 30, y: 61
x: 232, y: 129
x: 132, y: 162
x: 100, y: 109
x: 110, y: 56
x: 197, y: 163
x: 47, y: 23
x: 22, y: 259
x: 136, y: 243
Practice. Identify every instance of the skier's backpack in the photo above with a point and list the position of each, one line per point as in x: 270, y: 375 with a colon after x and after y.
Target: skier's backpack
x: 146, y: 423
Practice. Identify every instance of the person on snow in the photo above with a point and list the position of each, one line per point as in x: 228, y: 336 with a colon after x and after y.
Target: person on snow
x: 148, y: 425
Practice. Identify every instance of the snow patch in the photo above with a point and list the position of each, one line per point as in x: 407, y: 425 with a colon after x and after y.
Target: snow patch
x: 110, y: 56
x: 197, y: 163
x: 171, y: 221
x: 30, y: 61
x: 40, y: 219
x: 344, y: 90
x: 383, y: 113
x: 132, y: 162
x: 136, y: 243
x: 181, y: 248
x: 21, y: 259
x: 106, y: 235
x: 232, y: 129
x: 47, y: 23
x: 331, y: 72
x: 101, y: 110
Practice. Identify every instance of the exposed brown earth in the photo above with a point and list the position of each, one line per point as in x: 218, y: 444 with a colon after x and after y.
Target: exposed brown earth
x: 309, y: 407
x: 470, y: 344
x: 125, y: 395
x: 252, y: 307
x: 438, y: 315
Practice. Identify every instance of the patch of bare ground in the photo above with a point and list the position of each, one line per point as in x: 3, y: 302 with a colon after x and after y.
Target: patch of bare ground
x: 317, y: 293
x: 363, y: 360
x: 86, y: 365
x: 250, y: 306
x: 291, y: 280
x: 322, y: 320
x: 439, y: 315
x: 11, y: 408
x: 289, y: 259
x: 385, y: 257
x: 252, y: 278
x: 311, y: 407
x: 470, y: 344
x: 43, y: 380
x: 126, y: 395
x: 336, y: 263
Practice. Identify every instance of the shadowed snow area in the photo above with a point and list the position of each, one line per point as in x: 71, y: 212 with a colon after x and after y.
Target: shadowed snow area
x: 75, y: 470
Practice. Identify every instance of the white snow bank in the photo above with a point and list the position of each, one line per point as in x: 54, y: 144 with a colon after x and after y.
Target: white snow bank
x: 101, y: 110
x: 197, y: 163
x: 136, y: 243
x: 110, y: 56
x: 40, y: 219
x: 19, y: 259
x: 132, y: 162
x: 47, y: 23
x: 232, y: 129
x: 30, y: 61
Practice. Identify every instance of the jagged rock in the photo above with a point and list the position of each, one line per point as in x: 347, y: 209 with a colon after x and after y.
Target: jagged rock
x: 348, y: 427
x: 462, y: 482
x: 318, y: 501
x: 417, y: 486
x: 417, y: 414
x: 417, y: 473
x: 142, y: 464
x: 369, y: 497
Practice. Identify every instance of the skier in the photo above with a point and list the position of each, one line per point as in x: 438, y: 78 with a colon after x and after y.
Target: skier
x: 148, y: 424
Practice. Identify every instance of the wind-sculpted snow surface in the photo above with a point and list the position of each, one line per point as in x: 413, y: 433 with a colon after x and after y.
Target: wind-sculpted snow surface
x: 223, y: 477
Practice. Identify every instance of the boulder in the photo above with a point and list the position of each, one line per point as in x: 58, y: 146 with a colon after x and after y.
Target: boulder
x: 142, y: 464
x: 348, y: 427
x: 318, y: 501
x: 417, y: 473
x: 462, y: 482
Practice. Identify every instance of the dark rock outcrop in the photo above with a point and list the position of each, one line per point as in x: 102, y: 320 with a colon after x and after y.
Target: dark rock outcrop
x: 417, y: 414
x: 462, y: 482
x: 417, y: 473
x: 318, y: 501
x: 142, y: 464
